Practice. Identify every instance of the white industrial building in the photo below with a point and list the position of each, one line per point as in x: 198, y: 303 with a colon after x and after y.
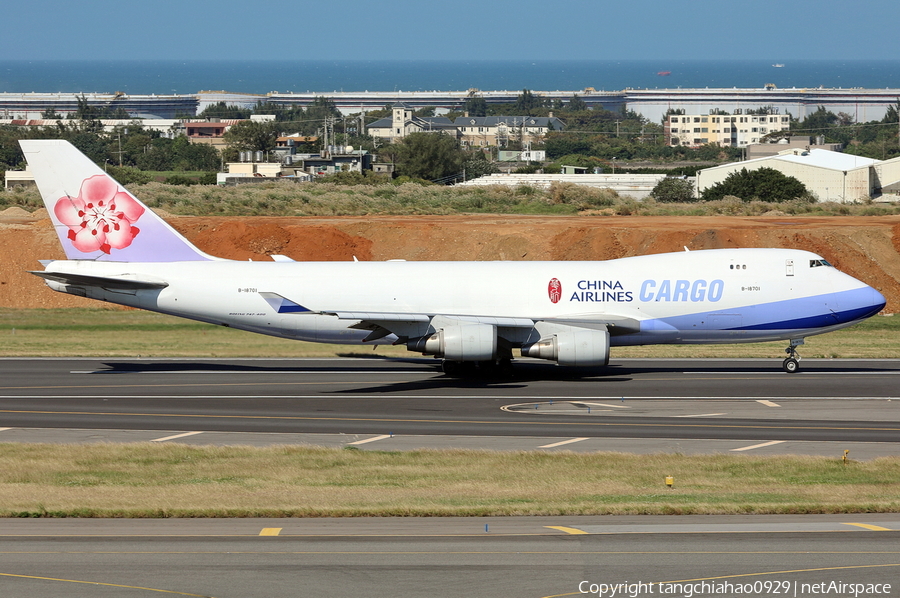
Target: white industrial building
x: 830, y: 176
x: 636, y: 186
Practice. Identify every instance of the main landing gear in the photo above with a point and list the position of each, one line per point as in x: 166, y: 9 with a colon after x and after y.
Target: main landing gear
x: 497, y: 368
x: 791, y: 364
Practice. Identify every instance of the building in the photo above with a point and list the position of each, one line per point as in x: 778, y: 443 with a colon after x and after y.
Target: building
x: 18, y: 178
x: 499, y: 131
x: 829, y: 176
x: 296, y: 167
x: 862, y: 104
x: 801, y: 142
x: 636, y: 186
x: 168, y: 127
x: 471, y: 131
x: 352, y: 102
x: 208, y: 133
x: 726, y: 130
x: 34, y: 105
x: 403, y: 122
x: 521, y: 156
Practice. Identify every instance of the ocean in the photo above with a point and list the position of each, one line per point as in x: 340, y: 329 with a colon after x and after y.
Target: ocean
x: 188, y: 77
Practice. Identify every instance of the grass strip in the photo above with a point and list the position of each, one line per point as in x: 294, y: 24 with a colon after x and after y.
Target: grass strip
x: 178, y: 480
x: 98, y: 332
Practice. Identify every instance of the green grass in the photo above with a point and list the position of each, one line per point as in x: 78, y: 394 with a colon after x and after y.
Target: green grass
x: 172, y: 480
x: 98, y: 332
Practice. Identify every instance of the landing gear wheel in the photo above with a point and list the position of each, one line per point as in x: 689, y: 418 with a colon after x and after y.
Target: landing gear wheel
x: 791, y: 365
x: 453, y: 369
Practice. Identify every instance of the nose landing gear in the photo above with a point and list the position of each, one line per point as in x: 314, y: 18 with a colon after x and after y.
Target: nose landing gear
x: 791, y: 364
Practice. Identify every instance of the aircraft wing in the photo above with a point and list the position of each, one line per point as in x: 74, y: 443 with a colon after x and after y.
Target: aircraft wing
x: 615, y: 324
x: 415, y: 325
x: 126, y: 282
x: 391, y: 321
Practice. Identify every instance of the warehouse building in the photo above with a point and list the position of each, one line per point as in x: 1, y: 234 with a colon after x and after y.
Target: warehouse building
x: 830, y: 176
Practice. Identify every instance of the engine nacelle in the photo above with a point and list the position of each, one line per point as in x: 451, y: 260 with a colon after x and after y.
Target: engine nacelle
x: 463, y: 342
x: 575, y: 346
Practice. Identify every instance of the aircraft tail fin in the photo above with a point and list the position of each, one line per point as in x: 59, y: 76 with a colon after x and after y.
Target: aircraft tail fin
x: 95, y: 217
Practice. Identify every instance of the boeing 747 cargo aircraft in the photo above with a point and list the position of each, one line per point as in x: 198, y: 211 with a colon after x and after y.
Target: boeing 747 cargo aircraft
x: 572, y: 313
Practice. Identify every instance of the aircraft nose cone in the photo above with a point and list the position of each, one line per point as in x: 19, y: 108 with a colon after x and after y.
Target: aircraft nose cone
x: 878, y: 301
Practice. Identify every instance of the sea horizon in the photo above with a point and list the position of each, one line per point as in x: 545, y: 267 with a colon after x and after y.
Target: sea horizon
x: 187, y: 77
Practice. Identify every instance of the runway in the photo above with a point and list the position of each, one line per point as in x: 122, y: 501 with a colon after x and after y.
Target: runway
x: 693, y: 405
x: 701, y: 406
x: 529, y: 557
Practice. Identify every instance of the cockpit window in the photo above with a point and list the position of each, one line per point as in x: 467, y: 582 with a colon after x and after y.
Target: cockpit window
x: 817, y: 263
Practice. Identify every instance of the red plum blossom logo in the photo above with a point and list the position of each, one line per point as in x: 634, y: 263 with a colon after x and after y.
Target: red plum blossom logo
x: 101, y: 217
x: 554, y: 290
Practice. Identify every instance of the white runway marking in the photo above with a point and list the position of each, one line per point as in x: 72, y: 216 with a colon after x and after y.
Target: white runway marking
x: 700, y: 415
x: 5, y: 429
x: 176, y: 436
x: 768, y: 403
x: 756, y: 446
x: 373, y: 439
x: 801, y: 372
x: 233, y: 373
x: 570, y: 441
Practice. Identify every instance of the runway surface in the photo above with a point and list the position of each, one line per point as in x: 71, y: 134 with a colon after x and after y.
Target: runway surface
x: 450, y: 557
x: 750, y: 404
x: 746, y: 407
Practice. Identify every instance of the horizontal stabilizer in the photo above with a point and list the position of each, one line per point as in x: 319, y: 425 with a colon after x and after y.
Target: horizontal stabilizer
x: 106, y: 282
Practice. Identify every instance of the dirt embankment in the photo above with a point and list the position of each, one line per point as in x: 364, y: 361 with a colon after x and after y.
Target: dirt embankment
x: 867, y: 248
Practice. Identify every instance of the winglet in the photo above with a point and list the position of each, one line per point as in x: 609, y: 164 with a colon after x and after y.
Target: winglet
x: 95, y: 217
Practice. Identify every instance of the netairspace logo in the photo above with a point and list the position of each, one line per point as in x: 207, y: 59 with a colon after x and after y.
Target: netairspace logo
x: 727, y: 588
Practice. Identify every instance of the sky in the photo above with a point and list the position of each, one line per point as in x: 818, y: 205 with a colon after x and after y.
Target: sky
x: 459, y: 30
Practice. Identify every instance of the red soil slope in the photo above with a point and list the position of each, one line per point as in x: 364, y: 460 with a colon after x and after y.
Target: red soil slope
x: 865, y: 247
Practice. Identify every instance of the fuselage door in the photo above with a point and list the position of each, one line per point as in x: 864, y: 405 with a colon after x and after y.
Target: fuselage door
x: 789, y: 267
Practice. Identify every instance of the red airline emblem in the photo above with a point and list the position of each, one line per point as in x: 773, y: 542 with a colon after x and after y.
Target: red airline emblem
x: 554, y: 289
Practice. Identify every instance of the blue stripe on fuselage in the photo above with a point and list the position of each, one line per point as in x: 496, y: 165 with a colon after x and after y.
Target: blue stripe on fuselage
x: 827, y: 310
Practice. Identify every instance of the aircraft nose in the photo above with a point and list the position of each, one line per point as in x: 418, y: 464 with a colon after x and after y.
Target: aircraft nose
x: 878, y: 301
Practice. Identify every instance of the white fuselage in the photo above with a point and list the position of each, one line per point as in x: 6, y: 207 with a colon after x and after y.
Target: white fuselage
x: 713, y: 296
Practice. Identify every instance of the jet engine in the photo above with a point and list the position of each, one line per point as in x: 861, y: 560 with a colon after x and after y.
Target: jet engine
x: 460, y: 342
x: 572, y: 346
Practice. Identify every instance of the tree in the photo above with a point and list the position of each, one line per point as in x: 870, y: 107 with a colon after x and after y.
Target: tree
x: 251, y: 135
x: 51, y: 114
x: 477, y: 165
x: 223, y: 110
x: 476, y: 106
x: 527, y: 101
x: 820, y: 122
x: 429, y: 156
x: 576, y: 104
x: 765, y: 184
x: 672, y: 189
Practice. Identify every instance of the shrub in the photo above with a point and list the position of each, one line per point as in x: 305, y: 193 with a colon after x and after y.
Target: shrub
x: 674, y: 189
x: 763, y: 184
